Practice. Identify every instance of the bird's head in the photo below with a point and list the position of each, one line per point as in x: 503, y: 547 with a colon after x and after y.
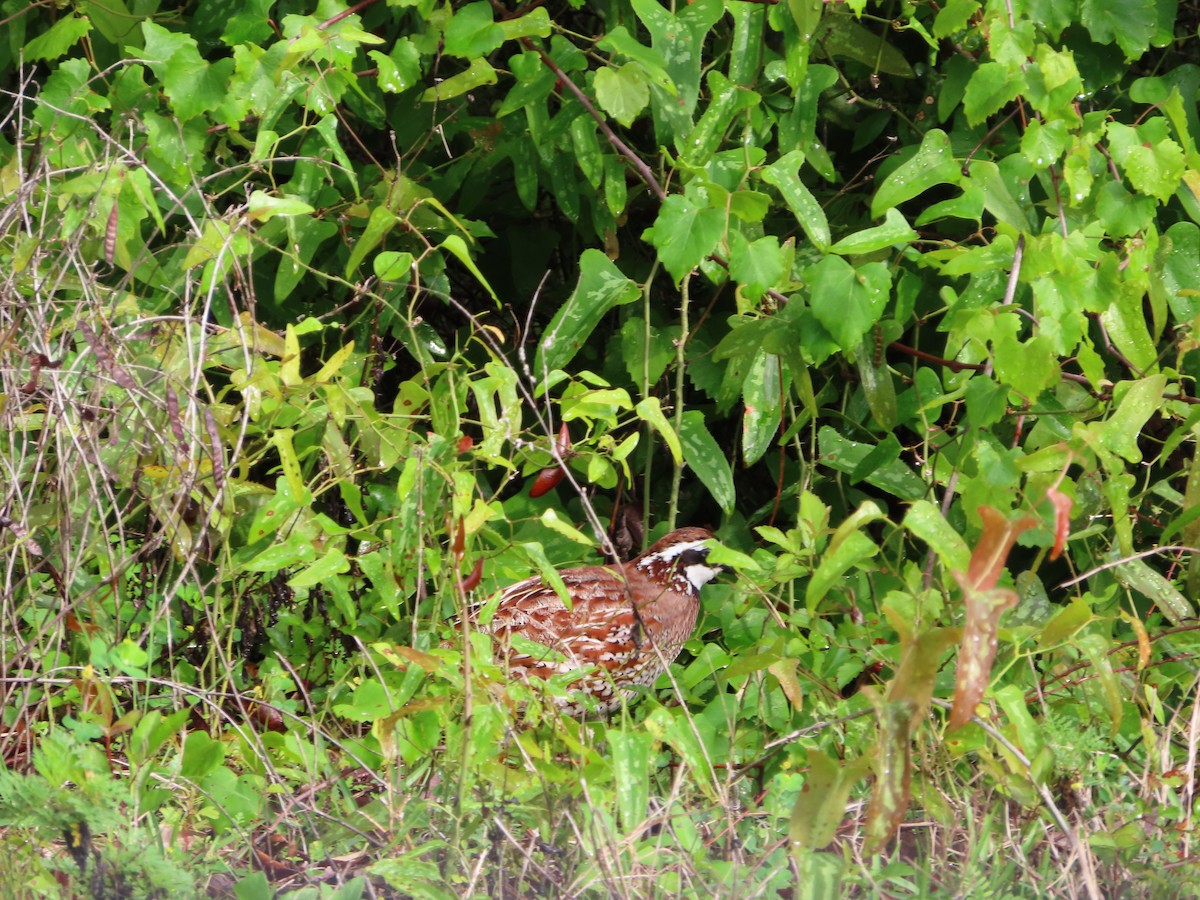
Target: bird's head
x: 681, y: 558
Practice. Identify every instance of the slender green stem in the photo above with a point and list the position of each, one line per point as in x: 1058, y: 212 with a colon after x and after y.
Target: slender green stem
x: 680, y: 378
x: 647, y: 431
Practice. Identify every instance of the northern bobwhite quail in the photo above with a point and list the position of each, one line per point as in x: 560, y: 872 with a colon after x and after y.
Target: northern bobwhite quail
x: 626, y: 623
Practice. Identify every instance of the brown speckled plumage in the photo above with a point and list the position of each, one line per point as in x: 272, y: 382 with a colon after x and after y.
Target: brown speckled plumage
x: 626, y: 622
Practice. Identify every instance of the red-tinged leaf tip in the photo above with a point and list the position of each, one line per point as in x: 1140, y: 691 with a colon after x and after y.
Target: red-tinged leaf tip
x: 990, y: 554
x: 1062, y: 520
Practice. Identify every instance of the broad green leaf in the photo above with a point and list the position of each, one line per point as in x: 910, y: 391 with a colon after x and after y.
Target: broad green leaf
x: 643, y: 346
x: 926, y: 521
x: 844, y: 37
x: 458, y: 248
x: 535, y: 23
x: 1152, y: 162
x: 705, y: 457
x: 479, y: 73
x: 472, y: 32
x: 782, y: 174
x: 622, y: 93
x: 895, y: 230
x: 1179, y: 262
x: 397, y: 75
x: 557, y: 524
x: 601, y: 287
x: 391, y: 265
x: 877, y: 386
x: 1121, y: 213
x: 1137, y: 575
x: 757, y: 266
x: 263, y: 206
x: 192, y: 85
x: 684, y: 233
x: 1131, y: 23
x: 931, y: 165
x: 332, y: 563
x: 294, y: 550
x: 650, y: 411
x: 846, y: 300
x: 631, y: 774
x: 953, y: 17
x: 1120, y: 432
x: 821, y: 806
x: 762, y: 393
x: 57, y: 39
x: 855, y: 549
x: 679, y: 38
x: 843, y: 455
x: 653, y: 65
x: 381, y: 221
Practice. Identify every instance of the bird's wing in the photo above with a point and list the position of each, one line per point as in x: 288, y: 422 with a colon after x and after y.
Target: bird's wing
x: 599, y: 629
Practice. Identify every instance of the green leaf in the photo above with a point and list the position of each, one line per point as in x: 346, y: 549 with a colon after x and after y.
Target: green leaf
x: 844, y: 455
x: 926, y: 521
x: 650, y: 410
x: 533, y: 24
x: 1153, y: 162
x: 853, y: 550
x: 333, y: 563
x: 58, y: 39
x: 762, y: 392
x: 458, y: 248
x: 1142, y: 400
x: 953, y: 17
x: 1131, y: 23
x: 622, y: 93
x: 392, y: 265
x: 653, y: 65
x: 479, y: 73
x: 705, y: 457
x: 601, y: 287
x: 783, y: 174
x: 1179, y: 263
x: 472, y: 32
x: 263, y: 206
x: 848, y: 301
x: 992, y: 87
x: 931, y: 165
x: 757, y: 266
x: 847, y: 38
x: 684, y: 233
x: 631, y: 775
x: 191, y: 84
x: 894, y: 231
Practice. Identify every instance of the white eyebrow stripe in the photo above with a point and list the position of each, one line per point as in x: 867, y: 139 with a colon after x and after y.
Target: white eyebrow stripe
x: 672, y: 552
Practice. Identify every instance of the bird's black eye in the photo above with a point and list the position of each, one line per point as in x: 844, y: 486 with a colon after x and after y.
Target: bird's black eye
x: 695, y: 556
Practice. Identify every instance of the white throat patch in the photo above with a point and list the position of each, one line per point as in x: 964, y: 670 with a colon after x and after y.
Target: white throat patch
x: 700, y: 574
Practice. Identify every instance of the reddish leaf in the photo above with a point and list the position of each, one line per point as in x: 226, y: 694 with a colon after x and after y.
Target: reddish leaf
x: 472, y: 581
x: 1062, y: 520
x: 563, y: 444
x: 465, y: 443
x: 990, y: 554
x: 893, y: 773
x: 985, y: 603
x: 546, y: 481
x: 460, y: 540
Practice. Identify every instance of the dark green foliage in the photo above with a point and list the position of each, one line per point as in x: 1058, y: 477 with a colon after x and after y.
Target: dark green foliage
x: 899, y: 297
